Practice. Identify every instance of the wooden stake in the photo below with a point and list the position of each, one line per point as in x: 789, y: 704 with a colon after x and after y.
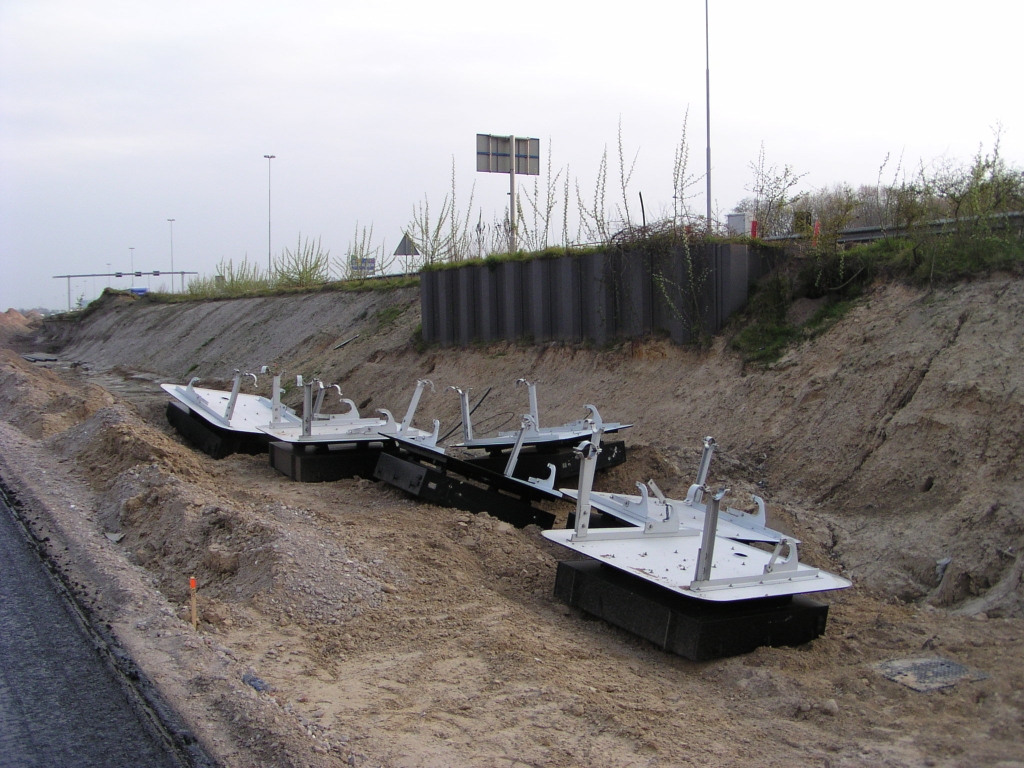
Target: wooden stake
x: 195, y: 615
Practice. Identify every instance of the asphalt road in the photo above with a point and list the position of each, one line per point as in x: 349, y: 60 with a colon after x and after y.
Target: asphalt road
x: 60, y: 703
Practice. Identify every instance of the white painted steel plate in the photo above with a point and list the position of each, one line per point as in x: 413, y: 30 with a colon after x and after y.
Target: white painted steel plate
x: 251, y: 411
x: 327, y: 432
x: 730, y: 523
x: 670, y: 562
x: 539, y: 437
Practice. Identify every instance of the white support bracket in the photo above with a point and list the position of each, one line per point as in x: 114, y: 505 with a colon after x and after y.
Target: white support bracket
x: 588, y: 451
x: 531, y: 387
x: 235, y: 386
x: 414, y: 403
x: 696, y: 494
x: 527, y: 424
x: 467, y: 424
x: 707, y: 545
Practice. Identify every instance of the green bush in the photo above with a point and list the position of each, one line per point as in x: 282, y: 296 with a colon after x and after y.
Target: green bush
x: 306, y: 266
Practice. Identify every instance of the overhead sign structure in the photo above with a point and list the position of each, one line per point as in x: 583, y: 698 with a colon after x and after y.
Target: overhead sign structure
x: 511, y: 155
x: 133, y: 273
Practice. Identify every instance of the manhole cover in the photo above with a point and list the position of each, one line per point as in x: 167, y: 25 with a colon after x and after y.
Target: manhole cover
x: 928, y: 674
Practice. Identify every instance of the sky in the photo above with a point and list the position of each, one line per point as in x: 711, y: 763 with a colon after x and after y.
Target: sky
x: 117, y: 116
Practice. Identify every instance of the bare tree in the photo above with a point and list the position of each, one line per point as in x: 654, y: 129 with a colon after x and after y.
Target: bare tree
x: 682, y: 180
x: 593, y: 221
x: 538, y: 238
x: 432, y: 236
x: 360, y: 248
x: 774, y: 196
x: 624, y: 179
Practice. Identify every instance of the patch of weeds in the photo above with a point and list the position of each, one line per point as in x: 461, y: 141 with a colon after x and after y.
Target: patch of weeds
x: 945, y: 259
x: 919, y: 259
x: 494, y: 259
x: 767, y: 332
x: 828, y: 315
x: 207, y: 342
x: 418, y: 343
x: 210, y: 289
x: 764, y: 342
x: 191, y: 368
x: 388, y: 315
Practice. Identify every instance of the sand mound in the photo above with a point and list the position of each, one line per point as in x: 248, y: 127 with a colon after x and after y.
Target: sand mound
x: 39, y: 402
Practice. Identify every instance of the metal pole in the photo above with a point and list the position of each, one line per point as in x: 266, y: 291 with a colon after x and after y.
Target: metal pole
x: 236, y: 385
x: 706, y: 553
x: 131, y: 252
x: 525, y: 425
x: 534, y: 411
x: 512, y: 195
x: 172, y: 255
x: 588, y: 453
x: 307, y: 409
x: 275, y: 403
x: 704, y: 467
x: 69, y: 293
x: 707, y: 91
x: 467, y: 423
x: 269, y: 265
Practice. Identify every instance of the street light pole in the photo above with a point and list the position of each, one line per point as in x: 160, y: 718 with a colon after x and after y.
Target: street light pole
x: 172, y: 255
x: 269, y: 265
x: 707, y: 91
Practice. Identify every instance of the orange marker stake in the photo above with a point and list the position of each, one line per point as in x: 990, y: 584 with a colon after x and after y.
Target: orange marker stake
x: 195, y: 615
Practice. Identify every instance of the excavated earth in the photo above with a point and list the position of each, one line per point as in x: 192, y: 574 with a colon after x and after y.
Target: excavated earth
x: 347, y: 624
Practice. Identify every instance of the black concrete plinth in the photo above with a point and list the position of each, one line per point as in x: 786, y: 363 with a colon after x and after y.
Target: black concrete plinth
x: 533, y: 461
x: 325, y: 463
x: 431, y: 484
x: 212, y: 440
x: 598, y: 520
x: 696, y: 629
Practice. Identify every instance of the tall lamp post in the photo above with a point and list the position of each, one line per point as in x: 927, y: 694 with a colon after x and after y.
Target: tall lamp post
x: 269, y: 265
x: 172, y: 255
x: 707, y: 91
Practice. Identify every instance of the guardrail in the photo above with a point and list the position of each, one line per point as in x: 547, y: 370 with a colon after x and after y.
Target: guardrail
x: 854, y: 235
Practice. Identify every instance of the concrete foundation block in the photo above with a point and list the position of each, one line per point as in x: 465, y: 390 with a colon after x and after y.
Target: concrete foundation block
x: 212, y: 440
x: 324, y: 464
x: 434, y: 486
x: 696, y: 629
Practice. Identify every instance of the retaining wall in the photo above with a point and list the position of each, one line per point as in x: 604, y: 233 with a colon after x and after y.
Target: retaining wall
x: 597, y: 297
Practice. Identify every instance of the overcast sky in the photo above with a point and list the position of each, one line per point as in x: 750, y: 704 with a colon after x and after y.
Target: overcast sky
x: 116, y: 116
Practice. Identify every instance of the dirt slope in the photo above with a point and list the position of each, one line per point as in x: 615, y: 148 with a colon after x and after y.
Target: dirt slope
x: 399, y: 634
x: 901, y: 427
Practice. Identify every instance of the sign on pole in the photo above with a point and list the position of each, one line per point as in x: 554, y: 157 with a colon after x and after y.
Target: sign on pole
x: 493, y: 156
x: 511, y: 155
x: 407, y: 247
